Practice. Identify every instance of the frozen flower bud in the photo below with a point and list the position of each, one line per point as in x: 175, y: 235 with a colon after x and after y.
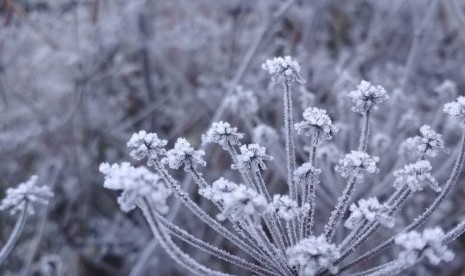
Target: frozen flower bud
x: 305, y: 171
x: 242, y: 202
x: 428, y: 244
x: 456, y: 109
x: 219, y: 189
x: 427, y: 144
x: 353, y: 163
x: 311, y: 254
x: 415, y: 175
x: 252, y: 158
x: 264, y: 134
x: 16, y: 198
x: 286, y: 208
x: 135, y: 183
x: 184, y: 155
x: 223, y: 134
x: 316, y: 124
x: 284, y: 70
x: 367, y: 97
x: 242, y: 102
x: 146, y: 145
x: 371, y: 210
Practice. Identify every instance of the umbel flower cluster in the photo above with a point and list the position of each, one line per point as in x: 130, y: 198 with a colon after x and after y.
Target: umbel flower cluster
x: 278, y: 233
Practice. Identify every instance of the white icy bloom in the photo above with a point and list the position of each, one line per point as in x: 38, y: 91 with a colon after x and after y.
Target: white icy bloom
x: 242, y: 202
x: 371, y: 210
x: 285, y: 70
x: 456, y: 109
x: 316, y: 124
x: 367, y: 97
x: 305, y: 171
x: 353, y: 163
x: 415, y: 175
x: 429, y: 244
x: 16, y: 198
x: 223, y: 134
x: 286, y: 208
x: 311, y: 254
x: 184, y: 155
x: 135, y: 184
x: 219, y: 189
x: 146, y: 145
x: 427, y: 144
x: 242, y: 102
x: 264, y: 134
x: 252, y: 158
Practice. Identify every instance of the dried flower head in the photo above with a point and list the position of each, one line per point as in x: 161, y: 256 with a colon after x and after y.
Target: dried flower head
x: 456, y: 109
x: 184, y: 155
x: 367, y: 97
x: 427, y: 144
x: 305, y: 171
x: 242, y: 102
x: 353, y: 163
x: 223, y: 134
x: 219, y: 189
x: 415, y: 175
x: 243, y: 202
x: 316, y: 124
x: 286, y: 208
x: 284, y: 70
x: 371, y: 210
x: 252, y: 158
x: 146, y: 145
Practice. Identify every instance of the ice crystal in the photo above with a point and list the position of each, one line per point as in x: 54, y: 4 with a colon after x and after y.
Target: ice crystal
x: 427, y: 144
x: 135, y: 184
x: 146, y: 145
x: 313, y: 253
x: 285, y: 70
x: 223, y: 134
x: 367, y: 97
x: 184, y: 155
x: 456, y: 109
x: 242, y: 202
x: 316, y: 124
x: 415, y: 175
x: 16, y: 198
x: 353, y: 163
x: 253, y: 157
x: 371, y: 210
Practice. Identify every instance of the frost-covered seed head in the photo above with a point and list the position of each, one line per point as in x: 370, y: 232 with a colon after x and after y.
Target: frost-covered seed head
x: 16, y: 198
x: 415, y: 175
x: 353, y: 163
x: 371, y: 210
x: 286, y: 208
x: 135, y: 184
x: 427, y: 144
x: 367, y: 97
x: 456, y: 109
x: 316, y: 124
x: 243, y: 202
x: 429, y: 243
x: 264, y: 134
x: 223, y: 134
x: 146, y: 145
x: 311, y: 254
x: 219, y: 189
x: 242, y: 102
x: 283, y: 70
x: 305, y: 171
x: 184, y: 155
x: 252, y: 158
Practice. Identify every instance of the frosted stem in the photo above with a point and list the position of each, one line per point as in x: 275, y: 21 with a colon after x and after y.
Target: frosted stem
x: 289, y: 136
x: 14, y: 236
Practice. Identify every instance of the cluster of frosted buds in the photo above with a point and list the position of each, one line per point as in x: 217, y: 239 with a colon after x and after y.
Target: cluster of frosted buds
x: 135, y: 183
x: 27, y: 192
x: 219, y: 189
x: 264, y: 134
x: 146, y: 145
x: 415, y: 175
x: 284, y: 70
x: 367, y: 97
x: 184, y: 155
x: 242, y: 202
x: 305, y: 171
x: 427, y: 144
x: 242, y: 102
x: 428, y: 244
x: 286, y: 208
x: 371, y: 210
x: 311, y: 254
x: 252, y: 158
x: 456, y: 109
x: 316, y: 124
x: 223, y: 134
x: 353, y: 163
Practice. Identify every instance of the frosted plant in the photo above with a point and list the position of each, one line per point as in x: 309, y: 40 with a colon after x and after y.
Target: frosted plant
x: 135, y: 183
x: 253, y: 157
x: 371, y: 210
x: 223, y: 134
x: 264, y: 134
x: 283, y: 69
x: 184, y: 155
x: 316, y: 124
x: 355, y: 162
x: 242, y: 202
x: 415, y: 176
x: 305, y: 171
x: 311, y: 254
x: 456, y: 109
x: 367, y: 97
x: 146, y: 145
x: 428, y: 144
x: 286, y: 208
x: 242, y: 102
x: 219, y: 189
